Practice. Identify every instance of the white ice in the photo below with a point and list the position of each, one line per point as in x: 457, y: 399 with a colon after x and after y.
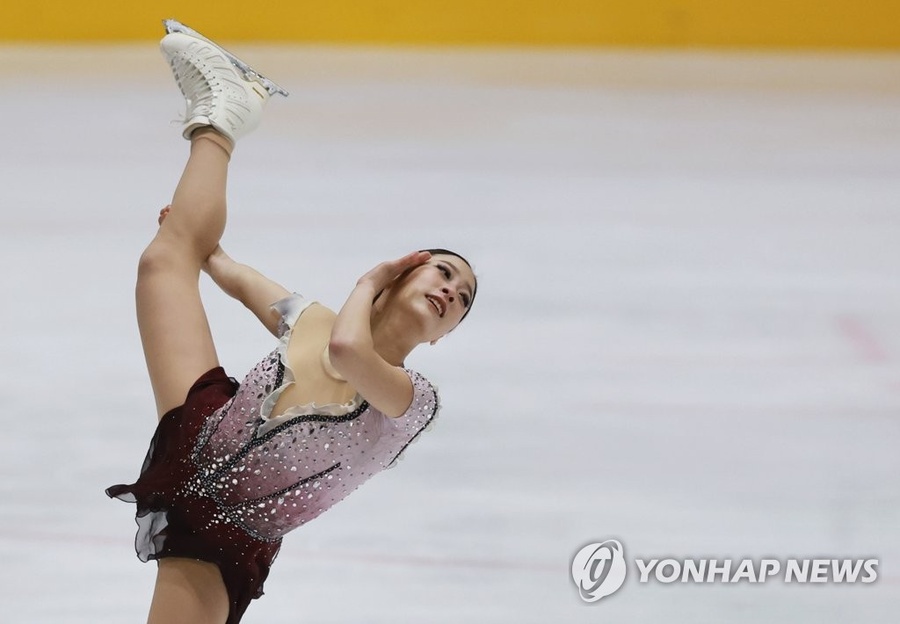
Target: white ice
x: 687, y: 334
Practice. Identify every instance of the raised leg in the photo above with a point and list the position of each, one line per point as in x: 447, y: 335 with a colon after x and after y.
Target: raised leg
x: 223, y: 103
x: 175, y: 334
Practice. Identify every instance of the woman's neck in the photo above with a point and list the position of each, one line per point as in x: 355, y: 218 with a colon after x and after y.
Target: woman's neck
x: 391, y: 336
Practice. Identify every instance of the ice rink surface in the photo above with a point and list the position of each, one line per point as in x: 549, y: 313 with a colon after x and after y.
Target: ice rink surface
x: 687, y: 335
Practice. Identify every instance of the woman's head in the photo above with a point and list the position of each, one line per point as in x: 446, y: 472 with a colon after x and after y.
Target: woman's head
x: 468, y: 265
x: 438, y: 294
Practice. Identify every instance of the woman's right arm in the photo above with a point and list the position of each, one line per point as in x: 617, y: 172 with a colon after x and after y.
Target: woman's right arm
x: 247, y: 285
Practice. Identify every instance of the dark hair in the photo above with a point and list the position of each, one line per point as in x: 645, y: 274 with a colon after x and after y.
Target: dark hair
x: 447, y: 252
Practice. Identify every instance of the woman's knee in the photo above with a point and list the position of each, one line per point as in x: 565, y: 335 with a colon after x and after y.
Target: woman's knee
x: 165, y: 255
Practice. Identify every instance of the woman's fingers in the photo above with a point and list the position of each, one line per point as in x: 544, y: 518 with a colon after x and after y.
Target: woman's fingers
x: 410, y: 260
x: 163, y: 214
x: 413, y: 259
x: 388, y: 271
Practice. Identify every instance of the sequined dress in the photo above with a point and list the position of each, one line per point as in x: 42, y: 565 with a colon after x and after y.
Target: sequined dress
x: 222, y: 472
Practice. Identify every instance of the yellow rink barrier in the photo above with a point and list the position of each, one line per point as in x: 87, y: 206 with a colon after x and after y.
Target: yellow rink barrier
x: 829, y: 24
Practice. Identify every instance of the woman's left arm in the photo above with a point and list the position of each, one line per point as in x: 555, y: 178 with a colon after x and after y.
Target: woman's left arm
x: 351, y: 348
x: 256, y: 291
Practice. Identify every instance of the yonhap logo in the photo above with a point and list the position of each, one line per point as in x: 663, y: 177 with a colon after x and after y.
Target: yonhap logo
x: 599, y: 570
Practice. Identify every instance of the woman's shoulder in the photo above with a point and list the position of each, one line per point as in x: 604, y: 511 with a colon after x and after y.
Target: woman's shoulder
x: 426, y: 400
x: 295, y: 305
x: 420, y: 416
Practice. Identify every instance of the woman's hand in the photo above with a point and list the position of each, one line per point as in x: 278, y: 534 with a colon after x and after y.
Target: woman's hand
x: 217, y: 263
x: 382, y: 275
x: 163, y: 214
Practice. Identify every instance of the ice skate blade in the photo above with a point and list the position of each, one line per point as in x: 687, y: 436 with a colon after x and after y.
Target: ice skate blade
x: 174, y: 26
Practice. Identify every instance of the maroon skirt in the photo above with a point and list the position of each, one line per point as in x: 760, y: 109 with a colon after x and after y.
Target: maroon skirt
x: 174, y: 522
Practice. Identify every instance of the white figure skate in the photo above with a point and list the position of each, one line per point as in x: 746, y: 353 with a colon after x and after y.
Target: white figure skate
x: 219, y: 89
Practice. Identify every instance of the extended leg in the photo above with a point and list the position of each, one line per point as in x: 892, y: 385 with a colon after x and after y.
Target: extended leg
x: 222, y: 105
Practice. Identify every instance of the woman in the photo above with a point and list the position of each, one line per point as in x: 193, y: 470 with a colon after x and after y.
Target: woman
x: 233, y: 467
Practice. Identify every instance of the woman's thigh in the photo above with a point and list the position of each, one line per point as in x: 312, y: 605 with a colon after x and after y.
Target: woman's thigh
x: 188, y: 591
x: 175, y: 334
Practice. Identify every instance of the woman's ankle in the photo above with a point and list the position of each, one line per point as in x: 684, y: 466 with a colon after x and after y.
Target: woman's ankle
x: 211, y: 134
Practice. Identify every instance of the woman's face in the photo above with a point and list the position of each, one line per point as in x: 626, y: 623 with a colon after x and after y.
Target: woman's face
x: 441, y: 292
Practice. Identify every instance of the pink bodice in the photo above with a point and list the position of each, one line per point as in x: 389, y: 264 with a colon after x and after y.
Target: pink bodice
x: 271, y: 475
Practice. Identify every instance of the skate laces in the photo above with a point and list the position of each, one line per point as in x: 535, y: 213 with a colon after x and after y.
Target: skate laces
x: 216, y: 92
x: 199, y: 95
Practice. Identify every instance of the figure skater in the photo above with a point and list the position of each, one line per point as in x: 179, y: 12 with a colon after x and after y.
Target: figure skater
x: 233, y: 467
